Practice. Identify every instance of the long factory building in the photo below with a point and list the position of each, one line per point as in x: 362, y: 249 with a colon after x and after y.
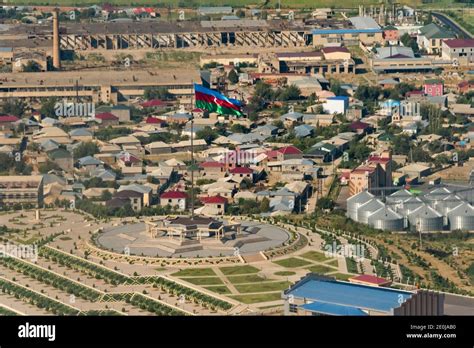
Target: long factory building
x: 126, y: 35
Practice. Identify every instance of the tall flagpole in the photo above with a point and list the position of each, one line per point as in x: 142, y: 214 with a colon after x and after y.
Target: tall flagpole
x: 192, y: 154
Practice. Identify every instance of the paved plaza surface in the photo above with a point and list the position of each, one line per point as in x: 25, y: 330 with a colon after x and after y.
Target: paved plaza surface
x: 255, y: 237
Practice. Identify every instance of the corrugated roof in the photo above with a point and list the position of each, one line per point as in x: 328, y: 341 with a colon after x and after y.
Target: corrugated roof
x: 347, y: 294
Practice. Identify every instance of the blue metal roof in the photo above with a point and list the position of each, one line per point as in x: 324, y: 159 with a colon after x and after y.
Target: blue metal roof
x: 341, y: 97
x: 332, y: 309
x: 345, y: 31
x: 349, y: 294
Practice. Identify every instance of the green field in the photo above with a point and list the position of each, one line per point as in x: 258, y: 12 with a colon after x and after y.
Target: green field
x: 195, y: 272
x: 255, y: 298
x: 233, y: 270
x: 334, y: 263
x: 262, y: 287
x: 285, y: 273
x: 292, y: 262
x: 204, y: 281
x: 320, y: 269
x: 219, y: 289
x: 248, y: 278
x: 236, y: 3
x: 315, y: 256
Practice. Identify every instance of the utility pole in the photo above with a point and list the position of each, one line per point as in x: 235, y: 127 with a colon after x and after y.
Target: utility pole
x: 192, y: 155
x: 192, y: 168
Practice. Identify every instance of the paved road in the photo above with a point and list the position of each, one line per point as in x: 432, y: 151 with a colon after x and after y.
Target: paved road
x: 463, y: 33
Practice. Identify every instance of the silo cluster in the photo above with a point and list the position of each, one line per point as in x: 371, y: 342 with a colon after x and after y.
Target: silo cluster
x: 440, y: 209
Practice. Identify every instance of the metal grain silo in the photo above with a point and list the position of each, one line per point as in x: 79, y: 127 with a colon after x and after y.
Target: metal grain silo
x: 434, y: 197
x: 461, y: 217
x: 398, y: 197
x: 386, y: 219
x: 354, y: 202
x: 406, y: 207
x: 448, y: 203
x: 426, y: 219
x: 367, y: 209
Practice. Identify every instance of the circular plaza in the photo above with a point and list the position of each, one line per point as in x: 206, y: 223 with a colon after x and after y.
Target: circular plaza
x: 185, y: 237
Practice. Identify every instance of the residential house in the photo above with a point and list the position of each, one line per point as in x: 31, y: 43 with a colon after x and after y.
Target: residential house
x: 303, y: 131
x: 158, y: 148
x: 145, y: 191
x: 81, y: 134
x: 336, y: 105
x: 319, y: 120
x: 243, y: 172
x: 458, y: 51
x: 433, y: 88
x: 62, y: 158
x: 7, y: 122
x: 106, y: 119
x: 89, y: 163
x: 360, y: 127
x: 52, y: 133
x: 135, y: 199
x: 431, y: 36
x: 174, y: 199
x: 212, y: 170
x: 213, y: 205
x: 122, y: 112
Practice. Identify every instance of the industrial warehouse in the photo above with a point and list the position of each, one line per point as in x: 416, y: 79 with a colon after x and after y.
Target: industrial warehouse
x: 217, y: 33
x: 440, y: 209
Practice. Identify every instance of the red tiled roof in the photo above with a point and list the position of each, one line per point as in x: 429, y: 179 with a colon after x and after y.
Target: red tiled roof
x: 415, y: 93
x: 106, y: 116
x: 366, y: 278
x: 173, y: 195
x: 155, y: 120
x: 298, y: 54
x: 459, y: 43
x: 271, y: 153
x: 154, y: 102
x: 8, y: 118
x: 334, y: 49
x: 362, y: 170
x: 129, y: 159
x: 241, y: 170
x: 379, y: 159
x: 345, y: 175
x: 359, y: 125
x: 214, y: 200
x: 211, y: 164
x: 289, y: 150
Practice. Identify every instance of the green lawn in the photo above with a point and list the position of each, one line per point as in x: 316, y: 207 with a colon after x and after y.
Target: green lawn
x: 334, y: 263
x: 256, y: 298
x: 315, y: 256
x: 233, y: 270
x: 204, y: 281
x: 262, y: 287
x: 320, y: 269
x: 285, y: 273
x: 195, y: 272
x: 219, y: 289
x: 351, y: 265
x: 292, y: 262
x: 247, y: 278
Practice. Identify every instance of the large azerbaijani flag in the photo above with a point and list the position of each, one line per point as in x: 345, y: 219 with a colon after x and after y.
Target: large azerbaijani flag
x: 213, y: 101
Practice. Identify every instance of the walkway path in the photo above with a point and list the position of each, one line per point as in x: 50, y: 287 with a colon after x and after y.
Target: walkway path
x: 224, y: 279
